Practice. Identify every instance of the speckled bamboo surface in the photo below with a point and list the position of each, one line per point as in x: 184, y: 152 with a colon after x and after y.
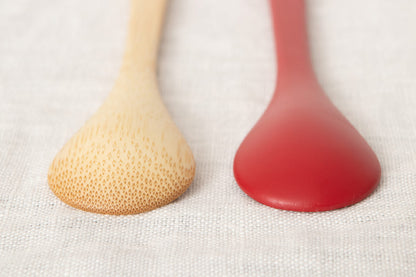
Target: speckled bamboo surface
x: 129, y: 157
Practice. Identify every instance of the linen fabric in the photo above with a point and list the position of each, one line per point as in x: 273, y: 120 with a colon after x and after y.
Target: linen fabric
x: 58, y: 61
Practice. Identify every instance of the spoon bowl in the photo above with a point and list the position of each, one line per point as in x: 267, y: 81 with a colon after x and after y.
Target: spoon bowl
x: 129, y: 157
x: 303, y: 154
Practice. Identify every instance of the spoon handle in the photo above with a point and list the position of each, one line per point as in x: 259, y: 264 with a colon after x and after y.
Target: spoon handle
x: 145, y: 27
x: 138, y: 69
x: 291, y: 40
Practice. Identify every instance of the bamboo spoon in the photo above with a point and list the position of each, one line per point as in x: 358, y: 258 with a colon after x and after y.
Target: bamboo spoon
x: 303, y: 154
x: 129, y: 157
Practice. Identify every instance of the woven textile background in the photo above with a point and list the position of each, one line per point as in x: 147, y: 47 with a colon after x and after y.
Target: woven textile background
x: 58, y: 61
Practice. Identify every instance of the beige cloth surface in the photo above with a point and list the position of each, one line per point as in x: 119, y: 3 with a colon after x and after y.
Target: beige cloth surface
x: 58, y: 61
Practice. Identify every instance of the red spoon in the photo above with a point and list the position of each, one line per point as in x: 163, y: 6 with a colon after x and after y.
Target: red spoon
x: 303, y: 154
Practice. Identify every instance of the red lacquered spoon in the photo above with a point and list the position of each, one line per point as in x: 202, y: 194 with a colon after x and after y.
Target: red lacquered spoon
x: 303, y: 154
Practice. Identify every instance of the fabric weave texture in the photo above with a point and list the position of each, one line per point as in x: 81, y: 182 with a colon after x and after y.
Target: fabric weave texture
x: 217, y: 72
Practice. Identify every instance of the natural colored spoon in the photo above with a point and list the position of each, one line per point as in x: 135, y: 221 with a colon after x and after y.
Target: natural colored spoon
x: 302, y: 154
x: 129, y: 157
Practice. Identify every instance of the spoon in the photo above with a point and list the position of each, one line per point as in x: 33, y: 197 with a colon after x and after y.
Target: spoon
x: 303, y: 154
x: 129, y: 157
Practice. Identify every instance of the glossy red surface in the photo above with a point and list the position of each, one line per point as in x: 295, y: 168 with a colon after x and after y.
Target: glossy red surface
x: 303, y: 154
